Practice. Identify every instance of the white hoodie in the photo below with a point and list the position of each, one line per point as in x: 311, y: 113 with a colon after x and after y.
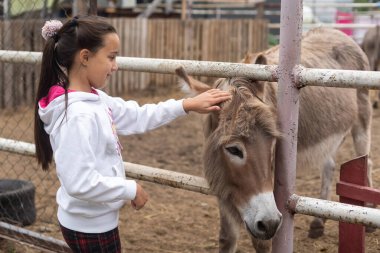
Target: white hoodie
x: 87, y: 153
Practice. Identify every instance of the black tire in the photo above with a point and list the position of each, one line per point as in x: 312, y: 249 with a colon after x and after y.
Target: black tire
x: 17, y: 202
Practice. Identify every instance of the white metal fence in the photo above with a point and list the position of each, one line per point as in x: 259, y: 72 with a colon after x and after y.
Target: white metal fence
x: 306, y: 76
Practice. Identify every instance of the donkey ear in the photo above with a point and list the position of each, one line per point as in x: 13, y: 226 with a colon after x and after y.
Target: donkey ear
x: 258, y: 58
x: 189, y: 84
x: 211, y: 123
x: 247, y: 58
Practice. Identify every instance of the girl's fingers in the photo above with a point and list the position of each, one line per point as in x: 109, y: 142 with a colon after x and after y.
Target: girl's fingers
x: 216, y: 91
x: 213, y: 108
x: 134, y: 205
x: 223, y: 94
x: 222, y: 98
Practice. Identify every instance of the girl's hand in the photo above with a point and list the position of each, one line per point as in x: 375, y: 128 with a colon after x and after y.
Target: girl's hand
x: 206, y: 101
x: 140, y: 199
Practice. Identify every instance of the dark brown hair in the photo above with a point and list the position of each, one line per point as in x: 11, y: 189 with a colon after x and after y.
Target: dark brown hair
x: 86, y: 32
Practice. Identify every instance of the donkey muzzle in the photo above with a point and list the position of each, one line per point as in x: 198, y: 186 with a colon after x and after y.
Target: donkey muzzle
x: 264, y: 229
x: 261, y: 216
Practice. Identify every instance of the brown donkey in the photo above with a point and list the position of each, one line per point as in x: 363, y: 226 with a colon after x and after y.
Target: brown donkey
x: 240, y: 139
x: 371, y: 47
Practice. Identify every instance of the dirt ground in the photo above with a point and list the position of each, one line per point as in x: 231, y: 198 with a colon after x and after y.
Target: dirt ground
x: 174, y: 220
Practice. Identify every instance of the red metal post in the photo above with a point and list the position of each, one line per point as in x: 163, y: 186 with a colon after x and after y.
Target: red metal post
x: 352, y: 189
x: 351, y: 236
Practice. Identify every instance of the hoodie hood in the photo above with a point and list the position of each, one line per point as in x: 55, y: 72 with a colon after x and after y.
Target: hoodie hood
x: 52, y: 107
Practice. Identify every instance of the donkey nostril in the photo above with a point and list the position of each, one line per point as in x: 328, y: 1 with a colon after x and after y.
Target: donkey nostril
x: 261, y: 226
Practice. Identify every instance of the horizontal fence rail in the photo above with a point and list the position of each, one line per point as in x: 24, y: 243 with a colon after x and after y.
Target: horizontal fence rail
x: 335, y: 211
x: 20, y: 56
x: 166, y: 66
x: 328, y: 25
x: 304, y: 76
x: 298, y: 204
x: 337, y: 78
x: 343, y: 5
x: 137, y: 171
x: 36, y: 240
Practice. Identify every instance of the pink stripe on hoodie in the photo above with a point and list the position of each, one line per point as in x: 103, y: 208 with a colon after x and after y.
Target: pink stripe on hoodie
x: 54, y: 92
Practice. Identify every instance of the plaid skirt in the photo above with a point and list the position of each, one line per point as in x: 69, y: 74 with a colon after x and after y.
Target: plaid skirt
x: 108, y: 242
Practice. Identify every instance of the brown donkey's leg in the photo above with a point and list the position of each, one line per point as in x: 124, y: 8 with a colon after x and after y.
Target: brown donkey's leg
x: 229, y: 231
x: 317, y: 226
x: 361, y: 134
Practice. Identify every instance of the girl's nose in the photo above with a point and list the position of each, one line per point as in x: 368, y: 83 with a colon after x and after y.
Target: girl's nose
x: 115, y: 67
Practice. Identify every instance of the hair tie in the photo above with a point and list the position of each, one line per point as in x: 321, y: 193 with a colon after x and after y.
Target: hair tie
x: 50, y: 29
x: 74, y: 21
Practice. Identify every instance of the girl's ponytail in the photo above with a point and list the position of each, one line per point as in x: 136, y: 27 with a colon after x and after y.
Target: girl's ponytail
x: 49, y: 76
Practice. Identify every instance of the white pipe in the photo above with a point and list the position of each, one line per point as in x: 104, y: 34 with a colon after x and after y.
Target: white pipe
x: 137, y: 171
x: 298, y: 204
x: 20, y: 56
x: 166, y: 66
x: 328, y: 25
x: 17, y: 147
x: 305, y: 76
x: 344, y: 5
x: 36, y: 240
x: 337, y: 78
x: 167, y: 177
x: 6, y: 9
x: 252, y: 4
x: 202, y: 68
x: 335, y: 211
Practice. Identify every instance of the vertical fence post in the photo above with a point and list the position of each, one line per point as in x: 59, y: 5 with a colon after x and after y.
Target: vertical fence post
x: 93, y: 7
x: 79, y: 7
x: 287, y: 107
x: 351, y: 236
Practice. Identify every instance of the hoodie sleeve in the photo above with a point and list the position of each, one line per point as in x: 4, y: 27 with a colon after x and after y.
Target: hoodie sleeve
x: 131, y: 118
x: 75, y: 162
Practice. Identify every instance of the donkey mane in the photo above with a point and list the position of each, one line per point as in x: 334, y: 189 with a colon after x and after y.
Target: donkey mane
x: 246, y: 109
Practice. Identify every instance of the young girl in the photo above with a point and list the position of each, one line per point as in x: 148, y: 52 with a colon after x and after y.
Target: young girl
x: 78, y: 124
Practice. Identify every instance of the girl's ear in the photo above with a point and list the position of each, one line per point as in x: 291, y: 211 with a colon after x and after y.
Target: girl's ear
x: 83, y: 56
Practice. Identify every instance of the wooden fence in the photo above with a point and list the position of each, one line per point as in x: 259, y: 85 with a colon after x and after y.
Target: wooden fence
x: 211, y: 40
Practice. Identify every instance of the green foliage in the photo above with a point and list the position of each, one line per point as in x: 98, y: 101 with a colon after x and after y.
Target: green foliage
x: 18, y: 6
x: 361, y: 8
x: 273, y: 40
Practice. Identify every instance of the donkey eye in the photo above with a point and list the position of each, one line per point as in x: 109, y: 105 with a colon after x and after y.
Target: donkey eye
x: 233, y: 150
